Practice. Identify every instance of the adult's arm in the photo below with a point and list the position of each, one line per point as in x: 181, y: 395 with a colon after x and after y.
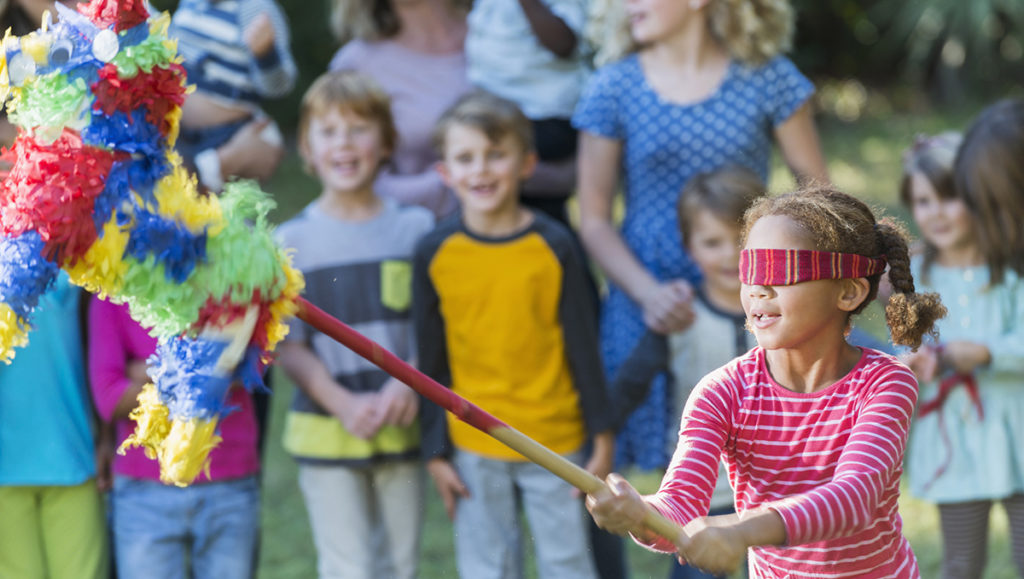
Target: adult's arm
x: 265, y: 29
x: 798, y: 141
x: 551, y: 31
x: 666, y: 305
x: 245, y: 156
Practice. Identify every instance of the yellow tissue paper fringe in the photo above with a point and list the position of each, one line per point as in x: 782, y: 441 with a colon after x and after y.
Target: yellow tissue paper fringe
x: 178, y: 199
x: 182, y: 446
x: 13, y: 333
x: 284, y: 306
x: 101, y: 270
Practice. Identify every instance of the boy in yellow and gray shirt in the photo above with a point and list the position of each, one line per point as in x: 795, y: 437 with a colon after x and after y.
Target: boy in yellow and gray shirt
x: 505, y: 318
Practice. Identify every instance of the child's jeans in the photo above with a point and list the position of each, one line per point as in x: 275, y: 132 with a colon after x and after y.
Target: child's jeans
x: 488, y: 537
x: 159, y: 529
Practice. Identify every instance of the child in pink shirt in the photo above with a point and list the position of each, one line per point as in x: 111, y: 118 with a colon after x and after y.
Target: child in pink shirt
x: 216, y: 520
x: 812, y: 430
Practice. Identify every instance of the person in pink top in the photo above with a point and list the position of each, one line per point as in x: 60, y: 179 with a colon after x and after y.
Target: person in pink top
x: 209, y: 529
x: 811, y: 429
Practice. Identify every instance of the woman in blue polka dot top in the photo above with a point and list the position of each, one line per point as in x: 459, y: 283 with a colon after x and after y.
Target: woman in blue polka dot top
x: 702, y: 85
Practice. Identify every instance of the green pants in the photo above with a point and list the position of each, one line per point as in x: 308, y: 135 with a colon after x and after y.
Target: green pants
x: 53, y: 532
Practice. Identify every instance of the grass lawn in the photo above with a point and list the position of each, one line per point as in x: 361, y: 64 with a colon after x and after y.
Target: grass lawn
x: 864, y: 159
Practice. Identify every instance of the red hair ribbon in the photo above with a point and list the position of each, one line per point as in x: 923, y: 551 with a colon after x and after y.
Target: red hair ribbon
x: 945, y: 388
x: 792, y: 266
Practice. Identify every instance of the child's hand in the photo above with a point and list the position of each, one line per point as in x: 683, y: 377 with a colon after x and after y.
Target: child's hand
x: 359, y: 413
x: 449, y: 485
x: 965, y: 357
x: 924, y: 363
x: 135, y: 370
x: 668, y: 306
x: 618, y: 510
x: 259, y: 36
x: 712, y: 545
x: 399, y: 403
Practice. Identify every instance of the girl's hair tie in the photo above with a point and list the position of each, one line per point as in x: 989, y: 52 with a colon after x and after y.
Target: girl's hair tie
x: 792, y: 266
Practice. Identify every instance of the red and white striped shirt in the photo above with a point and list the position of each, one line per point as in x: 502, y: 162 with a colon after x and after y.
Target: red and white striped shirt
x: 828, y: 462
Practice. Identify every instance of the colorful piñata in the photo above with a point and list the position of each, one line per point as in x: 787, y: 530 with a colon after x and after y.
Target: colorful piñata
x: 96, y: 189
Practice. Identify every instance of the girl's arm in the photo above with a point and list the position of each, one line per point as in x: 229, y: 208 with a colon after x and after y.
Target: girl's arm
x: 798, y: 141
x: 551, y: 31
x: 666, y: 305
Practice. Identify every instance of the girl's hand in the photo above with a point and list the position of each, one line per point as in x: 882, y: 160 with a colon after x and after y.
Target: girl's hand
x: 712, y: 545
x: 399, y: 403
x: 449, y: 485
x: 668, y: 306
x: 965, y: 357
x: 620, y: 509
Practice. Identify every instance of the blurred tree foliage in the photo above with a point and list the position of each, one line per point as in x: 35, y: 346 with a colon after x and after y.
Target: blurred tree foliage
x: 948, y: 48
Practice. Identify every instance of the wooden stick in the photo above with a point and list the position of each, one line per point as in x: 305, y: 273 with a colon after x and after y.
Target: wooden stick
x: 468, y: 412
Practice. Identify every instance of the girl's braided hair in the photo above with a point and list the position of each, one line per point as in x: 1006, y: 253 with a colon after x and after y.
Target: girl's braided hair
x: 837, y: 222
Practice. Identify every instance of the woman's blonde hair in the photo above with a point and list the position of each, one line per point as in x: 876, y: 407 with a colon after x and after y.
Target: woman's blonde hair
x: 370, y: 20
x: 752, y: 31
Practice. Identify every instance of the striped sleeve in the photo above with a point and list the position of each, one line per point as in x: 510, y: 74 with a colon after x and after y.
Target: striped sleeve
x: 871, y: 457
x: 274, y: 74
x: 689, y: 482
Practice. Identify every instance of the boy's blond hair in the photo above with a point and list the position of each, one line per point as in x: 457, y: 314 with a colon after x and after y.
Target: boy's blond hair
x: 492, y: 115
x: 353, y: 92
x: 752, y: 31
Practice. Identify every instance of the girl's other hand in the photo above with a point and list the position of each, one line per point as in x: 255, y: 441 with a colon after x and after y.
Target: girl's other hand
x: 668, y: 306
x: 449, y: 484
x: 965, y: 357
x: 620, y: 509
x: 712, y: 545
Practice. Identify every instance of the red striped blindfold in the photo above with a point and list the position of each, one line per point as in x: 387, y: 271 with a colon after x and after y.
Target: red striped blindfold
x: 791, y: 266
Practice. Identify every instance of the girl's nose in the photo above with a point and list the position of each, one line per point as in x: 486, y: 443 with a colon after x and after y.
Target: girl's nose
x: 759, y: 291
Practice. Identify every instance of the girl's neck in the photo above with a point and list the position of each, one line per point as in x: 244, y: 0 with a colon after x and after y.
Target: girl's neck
x: 812, y: 368
x: 360, y: 205
x: 498, y: 224
x: 966, y: 256
x: 430, y: 26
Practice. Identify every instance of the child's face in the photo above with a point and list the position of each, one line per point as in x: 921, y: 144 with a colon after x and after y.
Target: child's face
x: 651, y: 21
x: 944, y: 223
x: 484, y: 174
x: 344, y: 150
x: 798, y: 316
x: 714, y: 245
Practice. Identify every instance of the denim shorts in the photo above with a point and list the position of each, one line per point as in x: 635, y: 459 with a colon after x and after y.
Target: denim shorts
x: 161, y: 530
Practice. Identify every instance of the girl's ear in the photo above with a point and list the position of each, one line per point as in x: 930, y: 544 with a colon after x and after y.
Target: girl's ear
x: 852, y: 293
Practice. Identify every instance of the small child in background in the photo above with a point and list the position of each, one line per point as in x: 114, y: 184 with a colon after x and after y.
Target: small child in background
x: 811, y: 429
x: 209, y: 529
x: 236, y: 53
x: 711, y: 209
x: 531, y: 52
x: 351, y: 426
x: 504, y: 317
x: 965, y: 448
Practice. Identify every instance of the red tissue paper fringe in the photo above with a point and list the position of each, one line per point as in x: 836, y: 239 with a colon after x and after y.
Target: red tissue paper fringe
x: 158, y: 92
x: 51, y: 189
x: 123, y: 14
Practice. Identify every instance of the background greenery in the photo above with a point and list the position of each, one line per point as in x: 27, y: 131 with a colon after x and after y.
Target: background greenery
x: 885, y: 71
